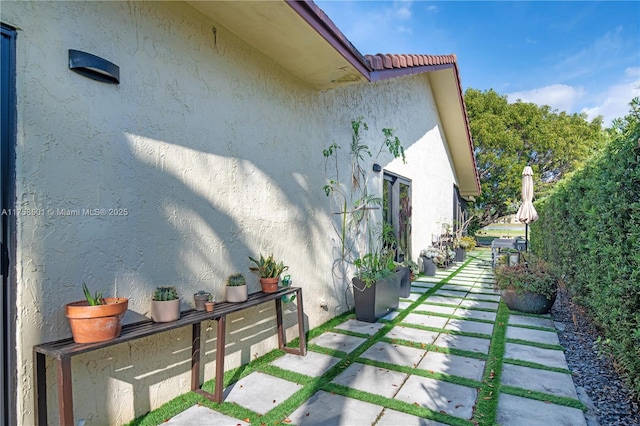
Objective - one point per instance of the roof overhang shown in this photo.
(323, 58)
(300, 37)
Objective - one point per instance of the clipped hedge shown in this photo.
(590, 228)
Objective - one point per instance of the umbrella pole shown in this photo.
(526, 238)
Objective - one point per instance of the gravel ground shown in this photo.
(610, 401)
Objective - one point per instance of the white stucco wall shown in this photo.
(216, 154)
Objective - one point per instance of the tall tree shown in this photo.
(509, 136)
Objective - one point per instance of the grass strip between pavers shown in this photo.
(536, 344)
(487, 404)
(535, 365)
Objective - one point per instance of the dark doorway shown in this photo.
(7, 236)
(396, 196)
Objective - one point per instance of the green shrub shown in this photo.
(590, 228)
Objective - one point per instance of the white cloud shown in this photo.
(613, 102)
(557, 96)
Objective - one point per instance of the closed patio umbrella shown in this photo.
(527, 213)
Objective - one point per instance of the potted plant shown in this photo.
(428, 258)
(376, 286)
(269, 271)
(199, 298)
(236, 289)
(97, 318)
(165, 304)
(208, 305)
(529, 286)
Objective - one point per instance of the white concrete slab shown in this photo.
(470, 326)
(548, 357)
(339, 342)
(426, 320)
(412, 334)
(201, 415)
(519, 411)
(313, 364)
(472, 313)
(362, 327)
(394, 354)
(447, 310)
(326, 409)
(375, 380)
(444, 300)
(453, 365)
(531, 321)
(256, 392)
(464, 343)
(537, 336)
(551, 382)
(439, 396)
(479, 304)
(396, 418)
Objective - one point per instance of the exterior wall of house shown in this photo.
(208, 152)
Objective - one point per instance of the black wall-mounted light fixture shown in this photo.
(94, 67)
(377, 168)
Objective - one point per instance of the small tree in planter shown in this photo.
(529, 286)
(351, 200)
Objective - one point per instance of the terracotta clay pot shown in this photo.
(209, 306)
(269, 285)
(91, 324)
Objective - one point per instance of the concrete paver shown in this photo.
(551, 382)
(426, 320)
(537, 336)
(447, 310)
(548, 357)
(465, 343)
(314, 364)
(412, 334)
(326, 409)
(339, 342)
(439, 396)
(361, 327)
(454, 365)
(201, 415)
(394, 354)
(470, 326)
(519, 411)
(395, 418)
(531, 321)
(255, 392)
(367, 378)
(475, 314)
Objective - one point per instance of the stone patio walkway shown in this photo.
(449, 355)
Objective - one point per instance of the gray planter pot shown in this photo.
(428, 267)
(532, 303)
(461, 254)
(405, 281)
(377, 300)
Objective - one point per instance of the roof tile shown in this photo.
(387, 61)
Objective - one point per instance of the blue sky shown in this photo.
(576, 56)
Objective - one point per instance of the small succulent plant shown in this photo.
(165, 293)
(236, 280)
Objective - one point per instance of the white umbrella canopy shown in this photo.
(527, 213)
